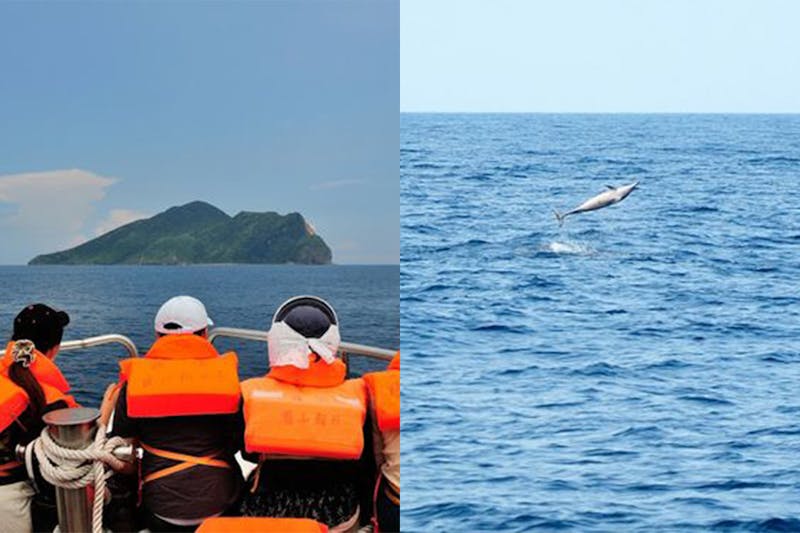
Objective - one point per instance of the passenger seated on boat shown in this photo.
(307, 426)
(182, 403)
(30, 386)
(384, 401)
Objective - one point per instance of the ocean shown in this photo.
(634, 370)
(125, 299)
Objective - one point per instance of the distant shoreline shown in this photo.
(642, 113)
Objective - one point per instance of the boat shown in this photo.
(75, 429)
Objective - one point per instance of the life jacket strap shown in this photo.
(185, 462)
(5, 467)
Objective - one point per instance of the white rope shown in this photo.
(75, 469)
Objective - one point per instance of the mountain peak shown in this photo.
(197, 205)
(196, 208)
(198, 232)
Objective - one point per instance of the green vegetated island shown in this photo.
(199, 233)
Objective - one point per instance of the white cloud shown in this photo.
(52, 208)
(117, 218)
(335, 184)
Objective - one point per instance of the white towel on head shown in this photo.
(289, 348)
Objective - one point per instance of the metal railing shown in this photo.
(345, 348)
(90, 342)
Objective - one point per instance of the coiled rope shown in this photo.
(75, 469)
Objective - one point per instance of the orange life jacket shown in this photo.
(181, 375)
(53, 383)
(384, 395)
(13, 402)
(259, 525)
(45, 370)
(312, 413)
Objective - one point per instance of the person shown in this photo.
(307, 425)
(182, 403)
(384, 400)
(30, 385)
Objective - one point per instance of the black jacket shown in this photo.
(196, 492)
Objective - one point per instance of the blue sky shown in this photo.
(600, 56)
(109, 112)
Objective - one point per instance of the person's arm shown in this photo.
(109, 402)
(123, 425)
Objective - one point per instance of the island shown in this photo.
(199, 233)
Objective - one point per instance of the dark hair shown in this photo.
(200, 332)
(40, 324)
(45, 341)
(322, 307)
(23, 377)
(309, 321)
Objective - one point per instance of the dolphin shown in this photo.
(604, 199)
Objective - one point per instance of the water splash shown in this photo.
(568, 248)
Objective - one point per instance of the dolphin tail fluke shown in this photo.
(559, 217)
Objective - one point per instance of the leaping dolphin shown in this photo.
(604, 199)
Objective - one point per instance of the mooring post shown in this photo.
(73, 428)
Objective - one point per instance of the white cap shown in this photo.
(184, 313)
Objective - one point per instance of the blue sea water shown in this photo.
(637, 369)
(125, 299)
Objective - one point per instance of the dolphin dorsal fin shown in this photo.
(610, 187)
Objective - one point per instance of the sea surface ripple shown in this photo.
(636, 369)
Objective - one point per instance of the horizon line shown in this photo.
(473, 112)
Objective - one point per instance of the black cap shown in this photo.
(309, 316)
(41, 324)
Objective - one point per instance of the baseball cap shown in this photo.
(182, 314)
(41, 324)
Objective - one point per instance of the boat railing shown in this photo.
(345, 348)
(90, 342)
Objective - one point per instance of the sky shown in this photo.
(118, 111)
(740, 56)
